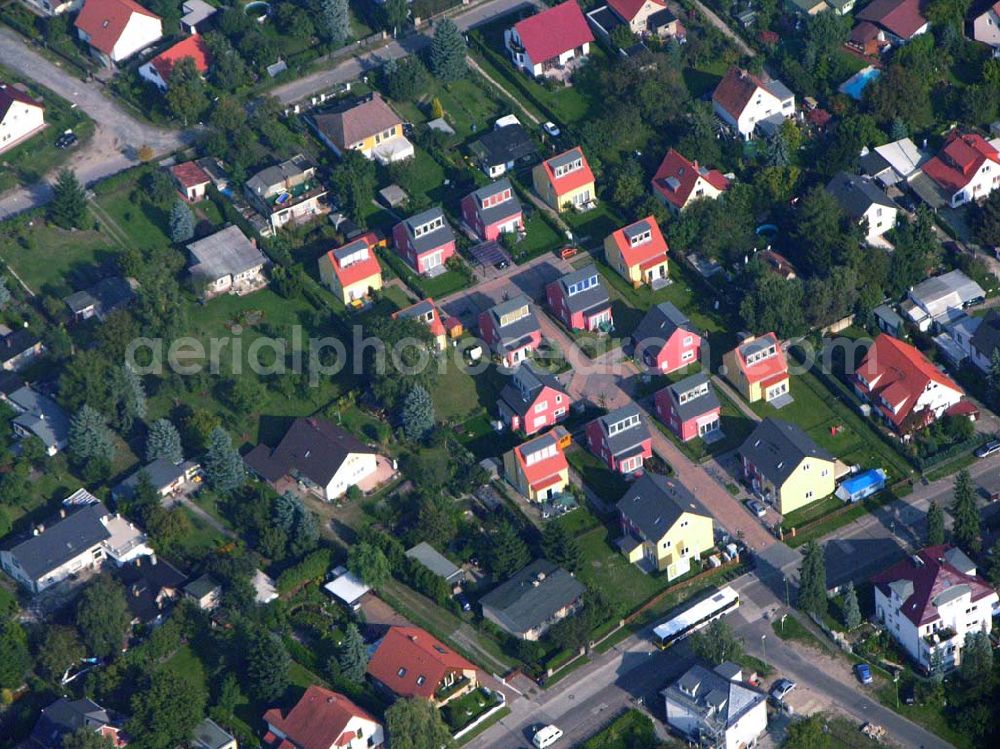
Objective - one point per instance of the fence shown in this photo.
(482, 718)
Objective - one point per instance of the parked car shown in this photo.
(756, 508)
(908, 694)
(863, 672)
(546, 736)
(551, 129)
(781, 689)
(990, 448)
(66, 140)
(464, 602)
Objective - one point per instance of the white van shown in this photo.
(546, 737)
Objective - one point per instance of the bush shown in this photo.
(312, 567)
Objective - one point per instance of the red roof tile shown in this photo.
(9, 94)
(192, 46)
(901, 17)
(651, 252)
(317, 721)
(572, 180)
(957, 163)
(412, 662)
(189, 174)
(105, 20)
(542, 473)
(435, 324)
(767, 371)
(357, 271)
(628, 8)
(686, 174)
(553, 31)
(735, 91)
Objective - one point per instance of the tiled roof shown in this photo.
(9, 94)
(62, 541)
(540, 470)
(654, 503)
(553, 31)
(735, 91)
(412, 662)
(588, 299)
(627, 9)
(776, 448)
(960, 159)
(358, 270)
(900, 17)
(104, 21)
(856, 194)
(193, 46)
(654, 249)
(676, 177)
(625, 440)
(422, 309)
(571, 180)
(312, 447)
(526, 383)
(189, 174)
(318, 719)
(693, 407)
(658, 325)
(765, 369)
(357, 120)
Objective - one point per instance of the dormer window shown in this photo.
(620, 426)
(587, 283)
(427, 228)
(642, 238)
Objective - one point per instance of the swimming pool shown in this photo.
(854, 85)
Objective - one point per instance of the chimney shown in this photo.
(62, 512)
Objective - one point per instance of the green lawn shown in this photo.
(606, 569)
(55, 261)
(469, 106)
(539, 238)
(142, 222)
(455, 392)
(813, 511)
(437, 287)
(600, 479)
(630, 730)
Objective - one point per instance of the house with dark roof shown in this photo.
(966, 168)
(100, 300)
(20, 116)
(493, 210)
(352, 271)
(18, 348)
(898, 20)
(565, 181)
(783, 465)
(436, 562)
(690, 408)
(39, 416)
(152, 586)
(665, 340)
(985, 341)
(532, 400)
(368, 125)
(644, 18)
(158, 70)
(322, 719)
(410, 662)
(64, 717)
(538, 468)
(757, 368)
(315, 456)
(533, 599)
(639, 253)
(227, 262)
(581, 301)
(549, 41)
(863, 201)
(205, 591)
(425, 241)
(715, 707)
(511, 330)
(286, 193)
(664, 527)
(930, 601)
(621, 439)
(117, 29)
(678, 182)
(502, 148)
(747, 102)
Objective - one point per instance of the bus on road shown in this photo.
(695, 617)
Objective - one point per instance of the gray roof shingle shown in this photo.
(776, 448)
(522, 606)
(62, 541)
(654, 503)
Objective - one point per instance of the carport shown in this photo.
(491, 254)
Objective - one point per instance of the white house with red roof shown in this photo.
(899, 20)
(157, 71)
(986, 28)
(639, 253)
(192, 181)
(409, 662)
(538, 468)
(549, 41)
(745, 102)
(117, 29)
(322, 719)
(930, 601)
(678, 182)
(967, 168)
(20, 116)
(903, 386)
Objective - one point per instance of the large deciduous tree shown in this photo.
(369, 563)
(102, 616)
(416, 724)
(166, 709)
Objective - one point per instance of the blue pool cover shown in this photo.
(862, 485)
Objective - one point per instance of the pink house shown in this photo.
(580, 300)
(621, 439)
(532, 401)
(666, 340)
(492, 210)
(511, 329)
(425, 241)
(690, 408)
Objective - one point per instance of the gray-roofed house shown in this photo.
(492, 210)
(861, 199)
(503, 148)
(532, 400)
(716, 707)
(286, 193)
(426, 241)
(786, 467)
(895, 162)
(942, 299)
(209, 735)
(18, 348)
(227, 262)
(101, 299)
(664, 527)
(314, 456)
(888, 320)
(690, 408)
(368, 125)
(166, 478)
(581, 301)
(205, 591)
(665, 340)
(65, 716)
(985, 341)
(533, 599)
(39, 416)
(151, 587)
(511, 329)
(436, 562)
(196, 13)
(621, 439)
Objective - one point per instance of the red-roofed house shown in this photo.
(157, 71)
(639, 253)
(678, 181)
(900, 20)
(931, 600)
(426, 312)
(903, 386)
(322, 719)
(867, 38)
(352, 272)
(410, 662)
(546, 42)
(745, 101)
(20, 116)
(538, 468)
(565, 181)
(986, 28)
(637, 14)
(758, 368)
(117, 29)
(191, 180)
(967, 168)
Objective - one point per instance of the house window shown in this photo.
(541, 407)
(809, 495)
(401, 672)
(420, 680)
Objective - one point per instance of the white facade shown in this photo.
(140, 32)
(355, 468)
(985, 181)
(522, 60)
(693, 716)
(762, 105)
(366, 734)
(149, 73)
(986, 28)
(21, 121)
(880, 220)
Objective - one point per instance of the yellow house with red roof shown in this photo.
(538, 468)
(426, 312)
(639, 253)
(758, 368)
(352, 272)
(565, 181)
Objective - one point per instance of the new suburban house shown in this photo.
(639, 253)
(157, 71)
(532, 400)
(929, 602)
(117, 29)
(941, 300)
(409, 662)
(368, 125)
(757, 368)
(316, 456)
(493, 210)
(322, 719)
(192, 181)
(533, 599)
(621, 439)
(426, 312)
(678, 182)
(82, 538)
(164, 476)
(966, 168)
(511, 330)
(227, 262)
(745, 102)
(352, 271)
(20, 116)
(898, 20)
(504, 147)
(690, 408)
(903, 387)
(986, 28)
(425, 241)
(537, 468)
(286, 193)
(716, 707)
(784, 466)
(864, 202)
(565, 181)
(664, 527)
(580, 300)
(665, 340)
(550, 42)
